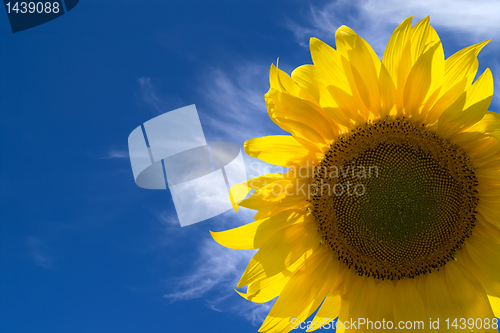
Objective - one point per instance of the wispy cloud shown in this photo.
(217, 267)
(375, 20)
(149, 95)
(477, 18)
(166, 219)
(39, 252)
(234, 96)
(231, 109)
(323, 21)
(116, 154)
(217, 272)
(236, 110)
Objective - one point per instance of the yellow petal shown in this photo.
(468, 109)
(304, 134)
(480, 91)
(329, 67)
(293, 108)
(408, 304)
(468, 295)
(394, 51)
(254, 235)
(462, 66)
(440, 303)
(486, 254)
(307, 77)
(349, 105)
(466, 262)
(486, 229)
(301, 296)
(239, 191)
(419, 38)
(357, 50)
(358, 287)
(264, 290)
(281, 251)
(328, 311)
(419, 86)
(292, 122)
(490, 214)
(329, 63)
(285, 193)
(279, 80)
(284, 83)
(380, 306)
(481, 147)
(488, 176)
(495, 305)
(331, 307)
(282, 150)
(490, 124)
(362, 67)
(445, 101)
(423, 37)
(387, 92)
(415, 43)
(272, 210)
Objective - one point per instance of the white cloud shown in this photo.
(201, 198)
(42, 259)
(149, 95)
(39, 252)
(478, 18)
(166, 219)
(217, 272)
(234, 96)
(472, 21)
(217, 267)
(116, 154)
(232, 109)
(240, 90)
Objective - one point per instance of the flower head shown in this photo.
(390, 209)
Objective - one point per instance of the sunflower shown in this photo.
(389, 209)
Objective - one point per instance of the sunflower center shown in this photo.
(393, 200)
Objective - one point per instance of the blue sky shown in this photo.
(82, 248)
